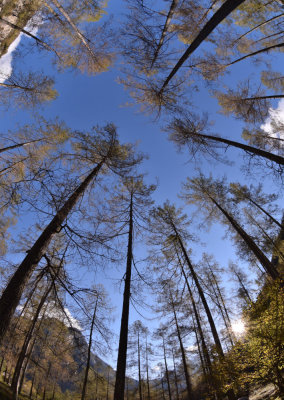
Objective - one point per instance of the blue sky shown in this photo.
(85, 101)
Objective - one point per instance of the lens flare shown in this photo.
(238, 327)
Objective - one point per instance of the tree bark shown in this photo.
(226, 8)
(84, 389)
(13, 292)
(122, 349)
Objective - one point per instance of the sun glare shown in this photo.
(238, 327)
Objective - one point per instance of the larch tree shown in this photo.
(131, 204)
(104, 153)
(172, 234)
(97, 300)
(170, 302)
(212, 197)
(190, 131)
(26, 90)
(246, 103)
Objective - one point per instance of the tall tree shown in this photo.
(134, 199)
(209, 193)
(105, 152)
(172, 234)
(188, 132)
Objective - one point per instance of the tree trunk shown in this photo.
(265, 212)
(199, 327)
(267, 265)
(167, 371)
(84, 389)
(274, 96)
(16, 146)
(147, 372)
(226, 8)
(266, 49)
(175, 373)
(164, 31)
(139, 369)
(203, 299)
(122, 349)
(258, 26)
(25, 366)
(26, 345)
(78, 33)
(230, 393)
(39, 41)
(183, 355)
(13, 292)
(252, 150)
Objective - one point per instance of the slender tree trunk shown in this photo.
(122, 349)
(203, 366)
(167, 371)
(226, 8)
(26, 344)
(274, 96)
(39, 41)
(78, 33)
(230, 393)
(22, 378)
(84, 389)
(266, 49)
(16, 146)
(220, 303)
(176, 379)
(164, 31)
(139, 369)
(13, 292)
(265, 212)
(267, 265)
(199, 327)
(244, 289)
(252, 150)
(183, 355)
(203, 299)
(147, 372)
(258, 26)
